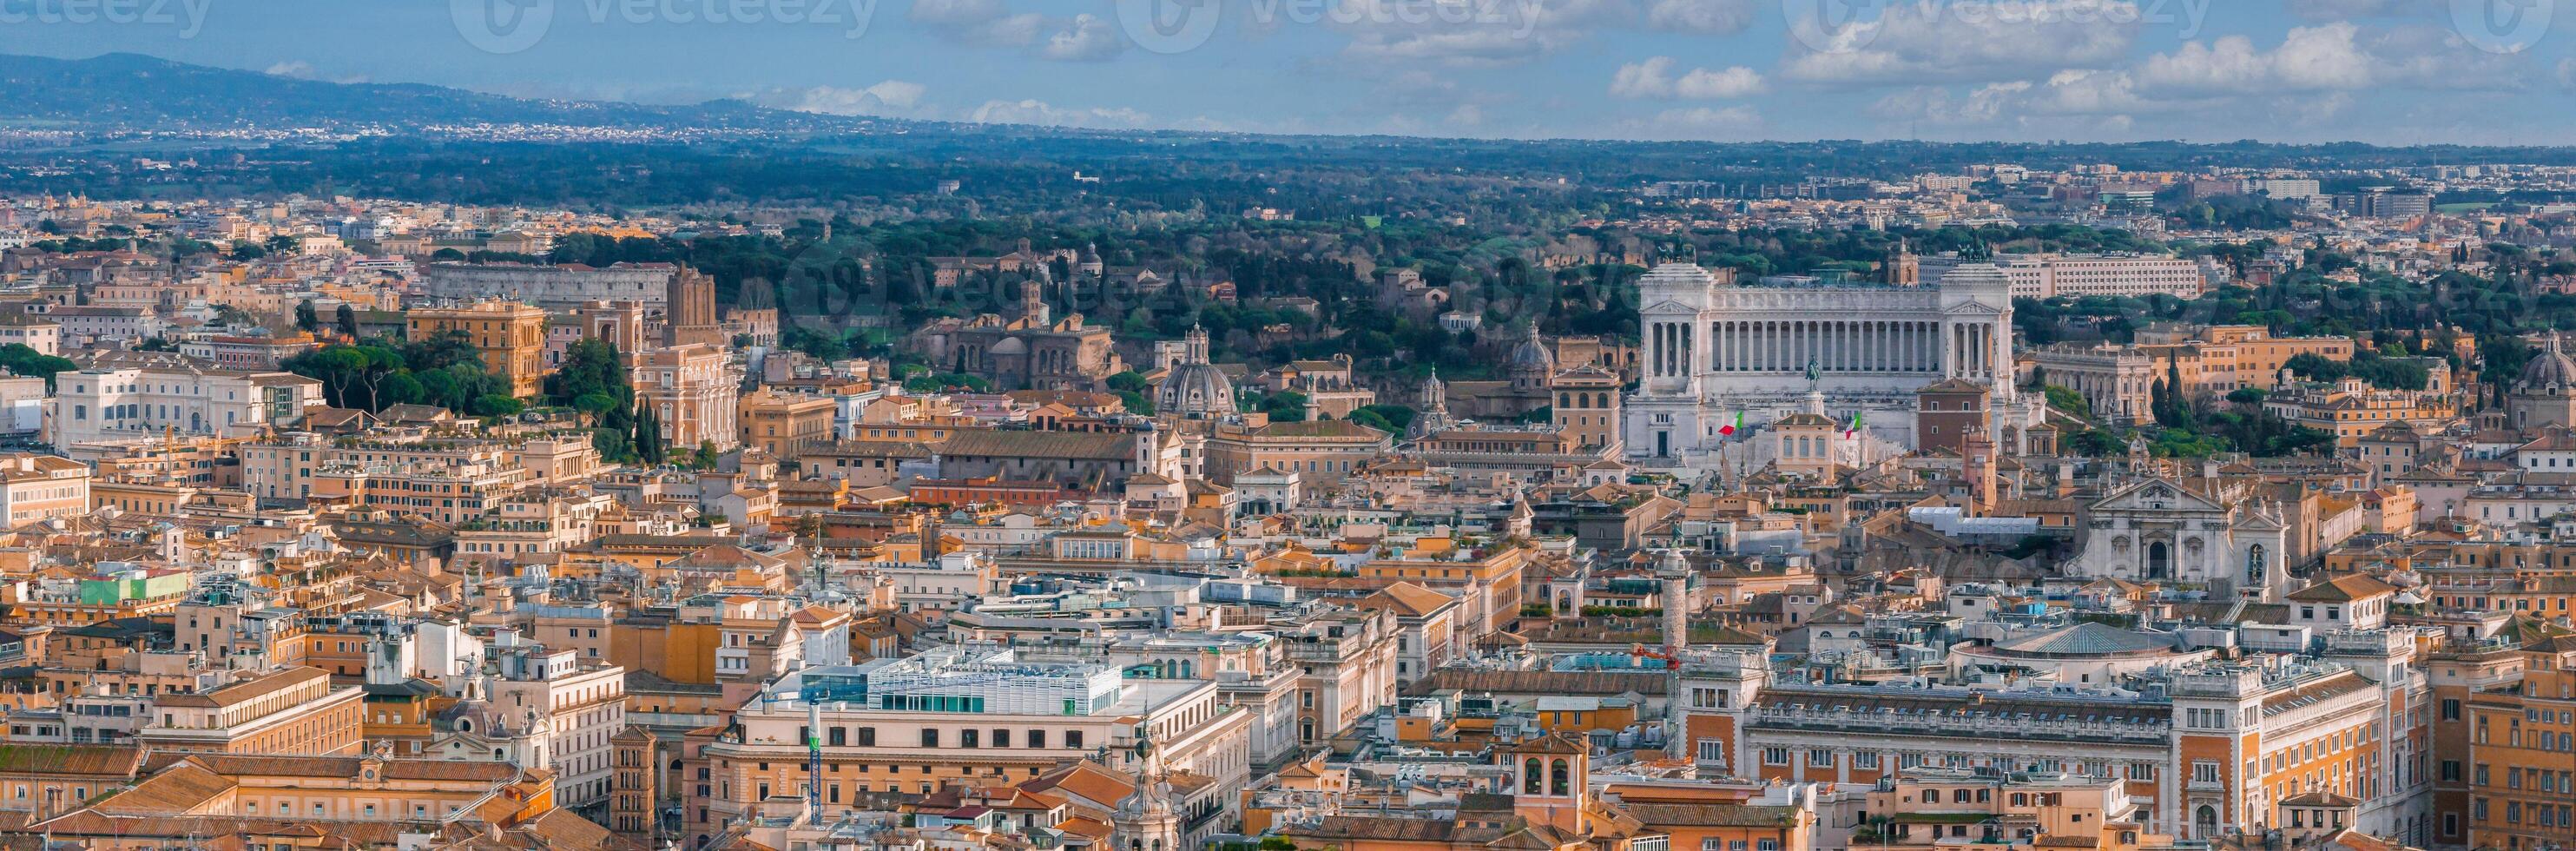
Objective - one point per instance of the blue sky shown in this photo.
(2382, 71)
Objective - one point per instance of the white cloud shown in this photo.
(983, 22)
(2567, 73)
(1087, 38)
(298, 69)
(1704, 84)
(1969, 41)
(2344, 10)
(955, 13)
(1654, 78)
(1485, 33)
(1467, 115)
(1462, 48)
(2308, 85)
(1042, 113)
(1470, 33)
(892, 97)
(2332, 57)
(988, 23)
(1712, 17)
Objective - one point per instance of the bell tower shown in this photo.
(1547, 775)
(1145, 820)
(1901, 267)
(1033, 306)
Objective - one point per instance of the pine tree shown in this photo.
(648, 436)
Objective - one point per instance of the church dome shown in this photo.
(1195, 390)
(2549, 369)
(1194, 387)
(1532, 354)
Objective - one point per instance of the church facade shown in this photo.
(2189, 531)
(2545, 393)
(1714, 350)
(1025, 354)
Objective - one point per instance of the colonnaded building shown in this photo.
(553, 287)
(1714, 349)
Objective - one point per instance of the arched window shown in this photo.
(1531, 776)
(2254, 564)
(2205, 821)
(1556, 778)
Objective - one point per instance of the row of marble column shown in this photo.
(1831, 345)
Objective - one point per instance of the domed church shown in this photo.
(1195, 388)
(2545, 394)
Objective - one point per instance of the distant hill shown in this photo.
(135, 92)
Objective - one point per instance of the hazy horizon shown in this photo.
(2387, 72)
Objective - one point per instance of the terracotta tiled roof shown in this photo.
(563, 829)
(23, 758)
(344, 767)
(1411, 599)
(2343, 589)
(1086, 780)
(1576, 683)
(181, 788)
(1712, 815)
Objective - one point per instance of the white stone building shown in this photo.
(553, 287)
(1714, 350)
(125, 402)
(2198, 531)
(2052, 275)
(581, 705)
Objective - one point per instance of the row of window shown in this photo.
(999, 737)
(2515, 812)
(1713, 750)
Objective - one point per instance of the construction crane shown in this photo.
(813, 745)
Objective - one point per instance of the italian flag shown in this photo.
(1854, 430)
(1730, 429)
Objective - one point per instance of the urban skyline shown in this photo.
(2382, 71)
(913, 450)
